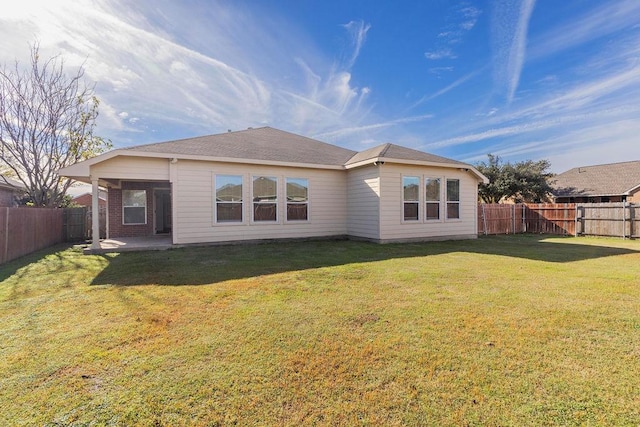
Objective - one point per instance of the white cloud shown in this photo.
(440, 54)
(510, 23)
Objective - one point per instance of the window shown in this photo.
(134, 206)
(265, 198)
(297, 199)
(228, 198)
(453, 199)
(410, 193)
(432, 198)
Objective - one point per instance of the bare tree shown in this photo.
(47, 121)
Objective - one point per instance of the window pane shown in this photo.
(229, 212)
(265, 189)
(410, 211)
(228, 188)
(453, 210)
(410, 185)
(433, 210)
(297, 212)
(134, 198)
(134, 215)
(264, 211)
(297, 190)
(432, 189)
(453, 190)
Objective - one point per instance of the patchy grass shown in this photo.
(515, 330)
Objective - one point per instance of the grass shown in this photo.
(509, 330)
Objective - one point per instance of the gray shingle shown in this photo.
(599, 180)
(271, 144)
(264, 143)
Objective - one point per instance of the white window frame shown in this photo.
(216, 202)
(287, 202)
(405, 202)
(447, 201)
(434, 202)
(125, 206)
(267, 202)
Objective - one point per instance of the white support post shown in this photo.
(95, 214)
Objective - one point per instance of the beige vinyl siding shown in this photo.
(391, 216)
(195, 203)
(132, 168)
(363, 186)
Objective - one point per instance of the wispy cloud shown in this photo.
(509, 27)
(176, 82)
(344, 132)
(607, 18)
(440, 54)
(446, 89)
(358, 32)
(465, 17)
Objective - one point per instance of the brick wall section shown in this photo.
(116, 227)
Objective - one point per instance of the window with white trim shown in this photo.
(453, 199)
(134, 207)
(297, 199)
(265, 199)
(228, 198)
(410, 197)
(432, 199)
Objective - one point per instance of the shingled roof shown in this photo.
(600, 180)
(397, 152)
(263, 143)
(271, 144)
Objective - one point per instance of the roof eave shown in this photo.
(463, 167)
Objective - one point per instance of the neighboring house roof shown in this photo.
(101, 195)
(267, 145)
(11, 184)
(599, 180)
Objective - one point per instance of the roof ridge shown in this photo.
(385, 149)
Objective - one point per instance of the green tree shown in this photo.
(527, 181)
(47, 119)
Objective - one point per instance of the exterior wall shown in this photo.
(86, 200)
(7, 197)
(634, 197)
(116, 227)
(394, 228)
(132, 168)
(363, 187)
(194, 204)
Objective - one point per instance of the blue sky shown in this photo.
(520, 79)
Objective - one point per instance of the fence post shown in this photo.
(484, 221)
(624, 220)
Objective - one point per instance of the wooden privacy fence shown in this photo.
(26, 230)
(608, 219)
(544, 218)
(567, 219)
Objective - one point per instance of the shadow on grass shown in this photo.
(11, 268)
(207, 265)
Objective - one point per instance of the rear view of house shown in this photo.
(265, 183)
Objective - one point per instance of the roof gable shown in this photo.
(598, 180)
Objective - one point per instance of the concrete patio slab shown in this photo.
(127, 244)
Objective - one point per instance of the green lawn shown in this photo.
(508, 330)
